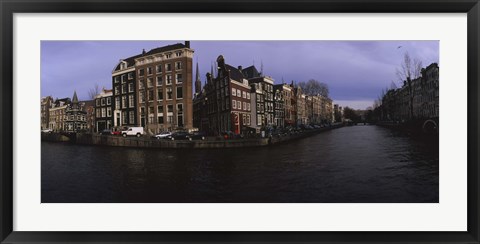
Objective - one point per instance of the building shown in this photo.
(75, 116)
(286, 93)
(262, 101)
(45, 104)
(89, 107)
(154, 89)
(104, 110)
(57, 114)
(279, 106)
(228, 100)
(124, 97)
(165, 88)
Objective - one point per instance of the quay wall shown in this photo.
(146, 142)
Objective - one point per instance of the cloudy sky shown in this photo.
(355, 71)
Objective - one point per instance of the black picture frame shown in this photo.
(9, 7)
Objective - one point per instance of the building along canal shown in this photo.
(354, 164)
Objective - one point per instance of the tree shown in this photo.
(350, 113)
(94, 91)
(409, 71)
(313, 87)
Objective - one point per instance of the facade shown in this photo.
(227, 100)
(397, 103)
(124, 97)
(45, 103)
(284, 107)
(165, 88)
(262, 88)
(104, 110)
(279, 106)
(89, 108)
(75, 116)
(154, 89)
(57, 114)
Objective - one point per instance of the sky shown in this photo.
(356, 72)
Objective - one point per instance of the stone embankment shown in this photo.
(147, 142)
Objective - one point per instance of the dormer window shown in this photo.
(178, 54)
(168, 55)
(122, 65)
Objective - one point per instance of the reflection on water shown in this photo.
(350, 164)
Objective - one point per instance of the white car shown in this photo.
(47, 130)
(133, 131)
(162, 135)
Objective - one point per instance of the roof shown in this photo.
(166, 48)
(131, 60)
(251, 72)
(235, 74)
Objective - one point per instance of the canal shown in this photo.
(356, 164)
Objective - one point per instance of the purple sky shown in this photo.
(355, 71)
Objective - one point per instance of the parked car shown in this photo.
(47, 130)
(116, 132)
(162, 135)
(179, 136)
(133, 131)
(198, 135)
(105, 132)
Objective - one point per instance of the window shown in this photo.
(109, 100)
(178, 78)
(131, 101)
(149, 82)
(169, 79)
(123, 78)
(149, 70)
(150, 95)
(226, 91)
(141, 97)
(234, 92)
(131, 117)
(130, 87)
(141, 72)
(178, 65)
(160, 119)
(124, 101)
(159, 81)
(160, 95)
(130, 76)
(170, 119)
(160, 109)
(239, 105)
(248, 119)
(259, 119)
(97, 112)
(117, 103)
(117, 79)
(179, 107)
(124, 116)
(168, 55)
(141, 85)
(124, 88)
(179, 92)
(239, 93)
(109, 111)
(169, 93)
(117, 90)
(244, 106)
(170, 108)
(98, 102)
(234, 104)
(178, 54)
(168, 67)
(159, 68)
(244, 94)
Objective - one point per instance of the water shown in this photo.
(348, 165)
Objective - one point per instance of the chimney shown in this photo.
(240, 68)
(143, 51)
(187, 44)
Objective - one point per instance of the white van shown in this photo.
(133, 131)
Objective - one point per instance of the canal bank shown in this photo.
(146, 142)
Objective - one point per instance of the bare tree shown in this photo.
(313, 87)
(93, 91)
(408, 72)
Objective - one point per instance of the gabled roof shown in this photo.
(235, 74)
(251, 72)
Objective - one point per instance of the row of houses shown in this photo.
(154, 90)
(241, 100)
(418, 100)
